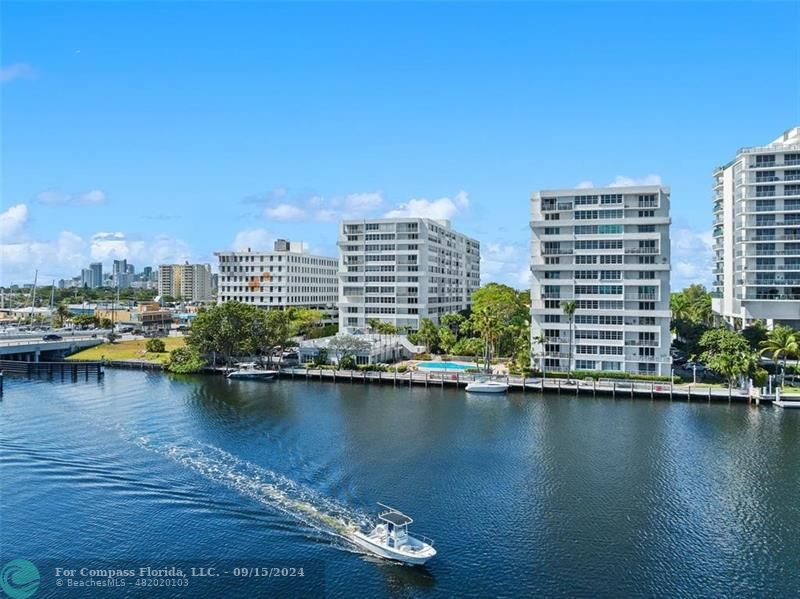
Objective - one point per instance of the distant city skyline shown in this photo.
(233, 124)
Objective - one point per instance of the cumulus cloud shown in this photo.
(585, 185)
(18, 70)
(12, 221)
(67, 253)
(255, 239)
(507, 263)
(441, 209)
(692, 257)
(623, 181)
(93, 197)
(284, 212)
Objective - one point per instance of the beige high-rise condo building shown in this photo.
(757, 234)
(285, 277)
(608, 251)
(401, 270)
(187, 282)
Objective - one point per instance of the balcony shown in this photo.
(642, 250)
(556, 252)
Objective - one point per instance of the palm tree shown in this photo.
(541, 341)
(62, 314)
(488, 325)
(781, 342)
(569, 308)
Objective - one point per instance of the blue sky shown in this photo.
(167, 131)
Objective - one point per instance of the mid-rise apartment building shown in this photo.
(757, 234)
(401, 270)
(608, 250)
(187, 282)
(285, 277)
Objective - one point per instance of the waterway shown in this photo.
(524, 495)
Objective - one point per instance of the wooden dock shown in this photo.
(519, 384)
(73, 370)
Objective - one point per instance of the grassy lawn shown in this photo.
(128, 350)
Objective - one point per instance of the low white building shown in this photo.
(286, 277)
(379, 349)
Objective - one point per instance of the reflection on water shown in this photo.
(524, 495)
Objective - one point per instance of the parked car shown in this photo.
(51, 337)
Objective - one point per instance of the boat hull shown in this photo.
(252, 376)
(365, 543)
(792, 403)
(486, 388)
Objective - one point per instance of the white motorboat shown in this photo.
(390, 539)
(249, 370)
(787, 403)
(486, 385)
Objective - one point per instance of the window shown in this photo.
(647, 228)
(552, 230)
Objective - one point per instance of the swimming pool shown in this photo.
(444, 366)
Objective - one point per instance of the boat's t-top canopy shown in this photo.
(393, 516)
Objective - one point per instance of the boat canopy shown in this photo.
(394, 517)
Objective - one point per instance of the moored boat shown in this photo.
(486, 385)
(390, 539)
(249, 370)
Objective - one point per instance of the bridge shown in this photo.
(33, 350)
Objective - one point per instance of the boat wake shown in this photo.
(269, 488)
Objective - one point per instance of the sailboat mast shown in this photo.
(33, 293)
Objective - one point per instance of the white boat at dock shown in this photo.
(250, 371)
(485, 384)
(390, 539)
(793, 402)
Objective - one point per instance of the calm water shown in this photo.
(524, 496)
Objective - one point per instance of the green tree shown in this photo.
(62, 314)
(453, 322)
(185, 360)
(728, 354)
(155, 346)
(226, 330)
(540, 341)
(755, 334)
(446, 339)
(428, 334)
(468, 346)
(781, 342)
(488, 325)
(569, 307)
(304, 320)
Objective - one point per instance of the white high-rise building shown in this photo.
(401, 270)
(608, 250)
(757, 234)
(188, 282)
(285, 277)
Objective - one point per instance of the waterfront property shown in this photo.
(373, 349)
(401, 270)
(187, 282)
(608, 251)
(444, 366)
(757, 234)
(286, 277)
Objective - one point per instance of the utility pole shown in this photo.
(52, 297)
(33, 294)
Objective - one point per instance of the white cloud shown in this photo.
(92, 197)
(507, 263)
(692, 257)
(441, 209)
(284, 212)
(19, 70)
(64, 256)
(255, 239)
(585, 185)
(12, 221)
(623, 181)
